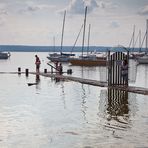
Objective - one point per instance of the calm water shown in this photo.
(69, 114)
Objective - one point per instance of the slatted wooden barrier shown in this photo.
(115, 61)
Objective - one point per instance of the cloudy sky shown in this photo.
(37, 22)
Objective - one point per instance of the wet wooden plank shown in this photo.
(133, 89)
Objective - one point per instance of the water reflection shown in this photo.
(37, 80)
(63, 95)
(103, 74)
(132, 71)
(84, 107)
(146, 75)
(59, 81)
(117, 104)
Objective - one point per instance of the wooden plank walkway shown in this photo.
(133, 89)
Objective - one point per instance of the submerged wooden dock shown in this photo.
(133, 89)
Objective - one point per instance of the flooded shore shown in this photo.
(69, 114)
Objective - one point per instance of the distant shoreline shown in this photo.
(26, 48)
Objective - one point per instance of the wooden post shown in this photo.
(109, 68)
(69, 71)
(19, 70)
(27, 72)
(51, 69)
(45, 70)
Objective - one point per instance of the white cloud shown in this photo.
(34, 7)
(3, 10)
(3, 14)
(78, 6)
(144, 10)
(111, 20)
(114, 24)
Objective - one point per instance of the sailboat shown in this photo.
(88, 59)
(135, 55)
(62, 57)
(144, 59)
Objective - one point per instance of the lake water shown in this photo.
(69, 114)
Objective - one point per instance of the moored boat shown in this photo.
(55, 57)
(143, 60)
(89, 60)
(60, 57)
(4, 55)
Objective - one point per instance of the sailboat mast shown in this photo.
(77, 39)
(134, 38)
(88, 39)
(63, 31)
(84, 31)
(139, 40)
(54, 43)
(146, 36)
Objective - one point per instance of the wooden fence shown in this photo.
(115, 61)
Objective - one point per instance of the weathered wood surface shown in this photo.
(132, 89)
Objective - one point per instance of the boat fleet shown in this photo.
(92, 58)
(89, 59)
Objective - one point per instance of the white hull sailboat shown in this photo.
(144, 59)
(60, 57)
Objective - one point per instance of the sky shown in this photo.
(39, 22)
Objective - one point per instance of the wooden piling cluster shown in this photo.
(26, 71)
(69, 71)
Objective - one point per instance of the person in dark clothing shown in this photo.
(60, 68)
(124, 71)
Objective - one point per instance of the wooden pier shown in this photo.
(133, 89)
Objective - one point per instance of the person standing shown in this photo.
(56, 65)
(124, 71)
(60, 67)
(37, 63)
